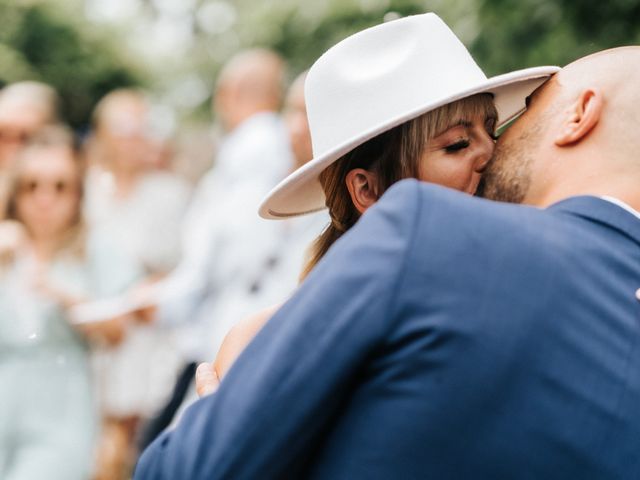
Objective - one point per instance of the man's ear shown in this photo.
(580, 118)
(363, 188)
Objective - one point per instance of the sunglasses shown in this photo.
(14, 136)
(59, 187)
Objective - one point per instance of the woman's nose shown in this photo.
(485, 152)
(44, 197)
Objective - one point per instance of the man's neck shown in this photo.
(623, 189)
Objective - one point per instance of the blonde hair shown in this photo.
(393, 155)
(49, 137)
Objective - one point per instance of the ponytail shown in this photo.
(320, 246)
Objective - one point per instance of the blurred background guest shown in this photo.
(24, 108)
(230, 253)
(227, 246)
(130, 200)
(127, 195)
(296, 235)
(299, 232)
(47, 414)
(295, 117)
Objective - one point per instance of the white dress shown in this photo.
(136, 376)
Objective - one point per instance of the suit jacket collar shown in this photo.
(603, 211)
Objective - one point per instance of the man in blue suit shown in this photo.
(450, 337)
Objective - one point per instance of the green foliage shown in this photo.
(46, 40)
(302, 45)
(502, 34)
(522, 33)
(39, 43)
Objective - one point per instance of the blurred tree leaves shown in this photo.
(502, 35)
(302, 43)
(522, 33)
(40, 41)
(53, 40)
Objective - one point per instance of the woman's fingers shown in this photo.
(206, 379)
(110, 332)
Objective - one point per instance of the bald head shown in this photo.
(25, 107)
(38, 98)
(251, 82)
(578, 136)
(616, 73)
(608, 67)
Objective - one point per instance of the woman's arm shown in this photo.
(208, 375)
(239, 337)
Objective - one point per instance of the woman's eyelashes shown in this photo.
(473, 133)
(457, 146)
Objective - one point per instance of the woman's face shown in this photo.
(48, 195)
(457, 157)
(123, 134)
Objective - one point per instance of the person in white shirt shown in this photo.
(298, 234)
(227, 247)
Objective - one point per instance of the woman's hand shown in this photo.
(207, 380)
(110, 332)
(13, 237)
(145, 296)
(208, 375)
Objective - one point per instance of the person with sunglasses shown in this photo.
(47, 414)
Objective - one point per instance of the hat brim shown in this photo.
(301, 193)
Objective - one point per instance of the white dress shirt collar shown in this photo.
(621, 204)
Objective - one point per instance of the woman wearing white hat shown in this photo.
(398, 100)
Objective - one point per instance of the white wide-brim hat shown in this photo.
(382, 77)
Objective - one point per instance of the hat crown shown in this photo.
(380, 78)
(381, 74)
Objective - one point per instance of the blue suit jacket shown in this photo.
(444, 337)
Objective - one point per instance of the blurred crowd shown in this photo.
(107, 224)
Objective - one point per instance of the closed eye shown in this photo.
(457, 146)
